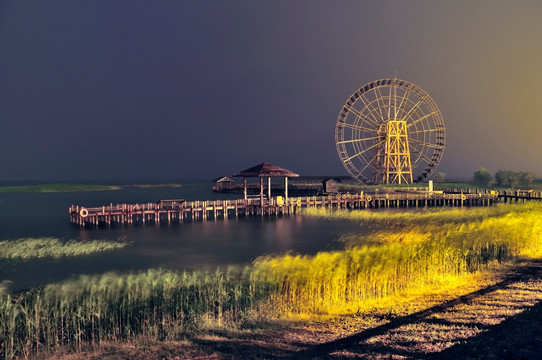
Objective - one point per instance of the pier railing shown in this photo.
(505, 195)
(180, 211)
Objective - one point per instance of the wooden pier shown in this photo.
(178, 211)
(506, 196)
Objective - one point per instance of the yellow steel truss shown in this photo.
(393, 155)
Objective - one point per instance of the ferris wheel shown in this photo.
(390, 131)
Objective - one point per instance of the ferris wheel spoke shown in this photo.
(363, 151)
(405, 96)
(422, 131)
(416, 106)
(389, 104)
(358, 127)
(356, 140)
(425, 157)
(424, 143)
(380, 98)
(371, 111)
(394, 100)
(366, 166)
(359, 114)
(422, 118)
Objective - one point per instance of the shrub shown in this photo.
(482, 177)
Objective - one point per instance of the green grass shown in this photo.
(29, 248)
(351, 187)
(157, 304)
(423, 250)
(536, 185)
(57, 188)
(415, 186)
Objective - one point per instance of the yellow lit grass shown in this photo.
(426, 251)
(423, 216)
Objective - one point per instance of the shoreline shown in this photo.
(61, 187)
(50, 188)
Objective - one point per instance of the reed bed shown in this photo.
(423, 216)
(426, 251)
(28, 248)
(157, 304)
(430, 248)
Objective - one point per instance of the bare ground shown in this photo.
(500, 321)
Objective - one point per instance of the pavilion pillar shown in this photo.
(269, 187)
(261, 191)
(245, 187)
(286, 188)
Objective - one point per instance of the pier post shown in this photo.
(286, 188)
(245, 192)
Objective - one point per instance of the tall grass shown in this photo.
(424, 217)
(28, 248)
(157, 304)
(426, 250)
(430, 248)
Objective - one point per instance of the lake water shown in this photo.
(186, 246)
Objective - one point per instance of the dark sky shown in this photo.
(181, 89)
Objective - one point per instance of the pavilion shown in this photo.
(223, 182)
(266, 170)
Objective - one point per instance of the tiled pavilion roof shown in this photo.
(266, 170)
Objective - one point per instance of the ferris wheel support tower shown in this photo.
(396, 167)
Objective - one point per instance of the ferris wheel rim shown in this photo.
(423, 120)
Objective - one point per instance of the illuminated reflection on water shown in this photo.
(187, 246)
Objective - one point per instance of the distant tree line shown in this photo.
(505, 178)
(513, 179)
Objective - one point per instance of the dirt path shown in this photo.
(501, 321)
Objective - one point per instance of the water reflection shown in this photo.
(186, 246)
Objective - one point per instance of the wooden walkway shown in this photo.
(506, 196)
(178, 211)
